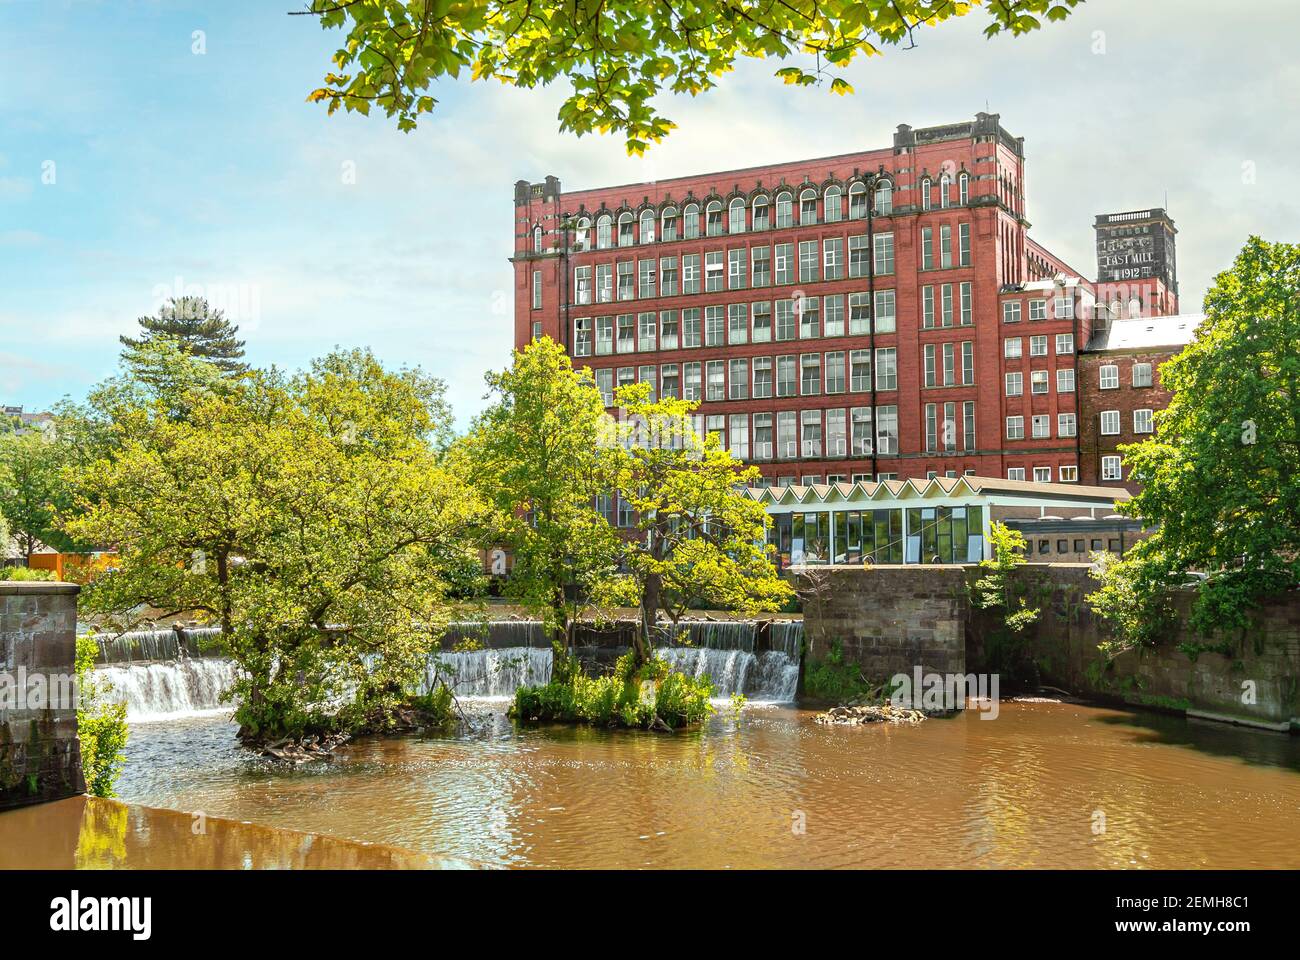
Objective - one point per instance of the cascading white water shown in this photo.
(490, 673)
(170, 690)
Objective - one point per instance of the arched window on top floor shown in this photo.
(668, 222)
(784, 209)
(858, 201)
(537, 238)
(713, 218)
(884, 198)
(736, 215)
(582, 234)
(691, 221)
(760, 220)
(604, 231)
(647, 227)
(625, 229)
(808, 206)
(833, 204)
(945, 191)
(925, 193)
(963, 188)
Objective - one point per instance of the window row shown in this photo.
(1062, 309)
(1039, 382)
(803, 318)
(737, 269)
(759, 378)
(1013, 347)
(948, 428)
(942, 310)
(948, 364)
(804, 434)
(1068, 474)
(1143, 422)
(1040, 427)
(1108, 375)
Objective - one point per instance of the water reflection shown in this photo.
(1021, 790)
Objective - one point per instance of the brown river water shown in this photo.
(1043, 785)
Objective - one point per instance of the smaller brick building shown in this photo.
(1120, 389)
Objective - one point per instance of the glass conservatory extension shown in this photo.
(941, 520)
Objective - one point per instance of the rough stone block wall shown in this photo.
(887, 619)
(40, 758)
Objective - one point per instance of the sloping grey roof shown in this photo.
(1142, 333)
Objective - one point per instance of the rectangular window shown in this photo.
(761, 262)
(762, 378)
(860, 370)
(885, 306)
(761, 314)
(691, 273)
(1110, 469)
(582, 285)
(835, 372)
(604, 335)
(1064, 343)
(691, 333)
(1015, 384)
(968, 425)
(1143, 421)
(808, 261)
(927, 248)
(738, 434)
(690, 377)
(737, 379)
(604, 282)
(929, 365)
(1063, 308)
(1037, 309)
(713, 326)
(649, 374)
(945, 305)
(810, 374)
(785, 376)
(833, 258)
(949, 364)
(736, 264)
(833, 315)
(669, 325)
(668, 276)
(605, 384)
(858, 256)
(1069, 473)
(810, 422)
(945, 246)
(762, 436)
(537, 289)
(1141, 374)
(713, 271)
(737, 323)
(859, 313)
(884, 254)
(670, 380)
(967, 304)
(860, 438)
(1065, 380)
(1110, 423)
(927, 307)
(1042, 475)
(626, 290)
(787, 443)
(836, 441)
(1040, 426)
(1109, 377)
(1038, 346)
(887, 433)
(963, 243)
(646, 336)
(1011, 348)
(887, 369)
(808, 312)
(626, 333)
(1038, 382)
(1015, 428)
(1011, 311)
(784, 262)
(968, 363)
(582, 337)
(1066, 426)
(785, 320)
(931, 427)
(715, 377)
(1015, 473)
(645, 284)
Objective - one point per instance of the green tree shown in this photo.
(197, 327)
(1220, 479)
(308, 515)
(101, 723)
(617, 54)
(535, 455)
(1001, 592)
(700, 539)
(33, 488)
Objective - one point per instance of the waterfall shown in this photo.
(144, 645)
(168, 691)
(766, 676)
(787, 636)
(490, 673)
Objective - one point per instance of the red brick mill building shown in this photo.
(870, 316)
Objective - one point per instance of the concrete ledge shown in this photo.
(37, 588)
(1280, 727)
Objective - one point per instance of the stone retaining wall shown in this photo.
(40, 758)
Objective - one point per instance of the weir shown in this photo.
(757, 659)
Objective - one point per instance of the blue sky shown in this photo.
(173, 169)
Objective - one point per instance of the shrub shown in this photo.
(25, 574)
(652, 697)
(833, 680)
(101, 724)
